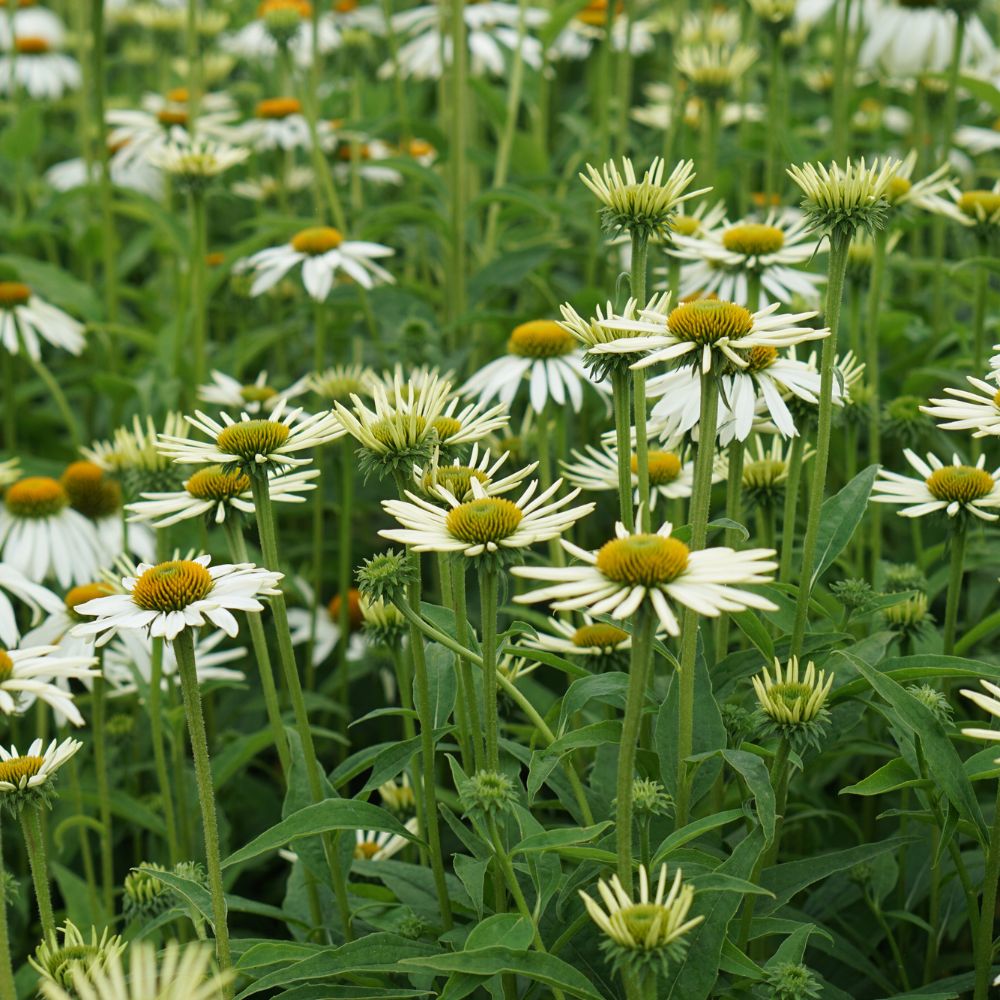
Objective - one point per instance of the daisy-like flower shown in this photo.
(765, 469)
(589, 27)
(591, 639)
(383, 625)
(544, 354)
(671, 473)
(456, 478)
(227, 391)
(485, 525)
(979, 208)
(26, 321)
(989, 702)
(464, 424)
(789, 699)
(714, 26)
(42, 536)
(721, 261)
(323, 252)
(774, 13)
(376, 845)
(26, 675)
(662, 109)
(360, 153)
(320, 624)
(35, 596)
(29, 20)
(34, 63)
(252, 442)
(491, 36)
(712, 70)
(215, 494)
(955, 489)
(339, 383)
(197, 161)
(650, 927)
(279, 123)
(647, 204)
(903, 192)
(844, 199)
(969, 411)
(182, 593)
(135, 175)
(632, 569)
(181, 972)
(398, 796)
(713, 332)
(34, 771)
(282, 24)
(978, 140)
(268, 188)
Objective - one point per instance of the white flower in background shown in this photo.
(274, 439)
(32, 59)
(547, 357)
(903, 192)
(27, 675)
(42, 536)
(38, 599)
(906, 39)
(135, 174)
(969, 411)
(955, 488)
(977, 139)
(656, 570)
(26, 321)
(215, 495)
(323, 253)
(266, 187)
(30, 21)
(485, 524)
(320, 624)
(491, 36)
(165, 599)
(588, 28)
(374, 845)
(712, 70)
(721, 261)
(358, 152)
(279, 123)
(196, 159)
(226, 391)
(713, 26)
(661, 107)
(589, 639)
(287, 20)
(979, 208)
(987, 704)
(455, 478)
(36, 767)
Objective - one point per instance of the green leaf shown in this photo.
(507, 930)
(694, 830)
(331, 814)
(888, 778)
(839, 517)
(755, 774)
(441, 681)
(194, 893)
(563, 837)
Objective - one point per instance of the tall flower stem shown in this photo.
(467, 686)
(86, 855)
(701, 498)
(981, 287)
(734, 511)
(984, 936)
(958, 540)
(344, 564)
(709, 139)
(264, 511)
(258, 640)
(103, 796)
(318, 562)
(774, 129)
(457, 158)
(791, 507)
(640, 247)
(640, 670)
(58, 397)
(159, 753)
(872, 361)
(488, 614)
(34, 842)
(841, 83)
(97, 82)
(196, 277)
(951, 103)
(7, 988)
(840, 242)
(184, 651)
(620, 391)
(193, 53)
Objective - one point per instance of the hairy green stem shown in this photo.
(7, 989)
(875, 405)
(954, 596)
(34, 842)
(103, 795)
(488, 616)
(640, 246)
(620, 391)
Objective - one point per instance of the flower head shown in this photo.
(456, 478)
(792, 703)
(55, 960)
(713, 69)
(978, 412)
(27, 675)
(28, 778)
(196, 162)
(956, 488)
(26, 321)
(989, 702)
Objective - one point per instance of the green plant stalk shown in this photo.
(267, 532)
(875, 286)
(258, 640)
(7, 988)
(954, 597)
(159, 754)
(34, 842)
(103, 795)
(984, 938)
(775, 124)
(790, 507)
(97, 82)
(197, 278)
(709, 139)
(184, 651)
(488, 616)
(193, 53)
(734, 511)
(465, 737)
(184, 821)
(841, 85)
(623, 443)
(459, 169)
(321, 167)
(640, 671)
(51, 383)
(950, 116)
(980, 287)
(640, 248)
(318, 561)
(86, 855)
(9, 402)
(468, 688)
(837, 269)
(509, 689)
(344, 565)
(701, 499)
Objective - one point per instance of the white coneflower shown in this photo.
(955, 488)
(253, 397)
(542, 354)
(987, 704)
(485, 525)
(266, 187)
(197, 161)
(713, 26)
(26, 321)
(765, 467)
(712, 70)
(456, 477)
(589, 26)
(279, 123)
(593, 639)
(34, 769)
(634, 569)
(711, 331)
(977, 139)
(323, 253)
(726, 260)
(319, 624)
(648, 203)
(26, 675)
(42, 536)
(969, 411)
(926, 194)
(67, 949)
(183, 593)
(34, 595)
(844, 199)
(33, 63)
(375, 845)
(978, 208)
(249, 443)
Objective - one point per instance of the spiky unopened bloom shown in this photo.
(196, 161)
(456, 477)
(790, 698)
(839, 200)
(713, 69)
(640, 205)
(68, 949)
(955, 489)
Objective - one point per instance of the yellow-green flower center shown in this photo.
(172, 586)
(257, 393)
(753, 239)
(456, 479)
(600, 635)
(979, 204)
(708, 321)
(446, 427)
(899, 187)
(6, 666)
(251, 438)
(90, 492)
(490, 519)
(278, 107)
(962, 483)
(791, 693)
(13, 293)
(366, 850)
(211, 483)
(996, 399)
(763, 474)
(638, 920)
(36, 496)
(758, 358)
(664, 467)
(643, 560)
(19, 768)
(685, 225)
(317, 240)
(395, 431)
(83, 593)
(541, 338)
